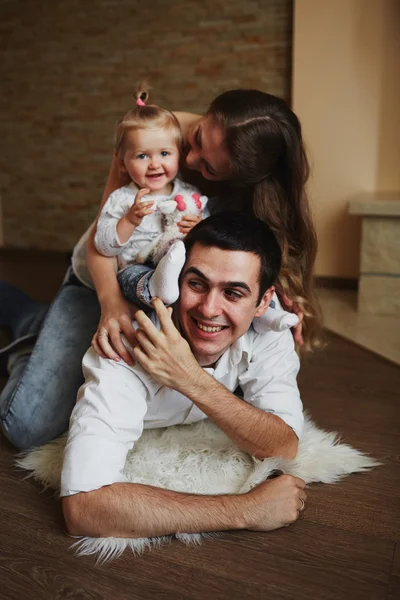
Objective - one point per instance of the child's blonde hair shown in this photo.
(146, 116)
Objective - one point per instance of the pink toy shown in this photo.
(197, 201)
(180, 202)
(173, 211)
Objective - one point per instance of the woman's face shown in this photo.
(207, 152)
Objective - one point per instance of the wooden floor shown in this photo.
(346, 545)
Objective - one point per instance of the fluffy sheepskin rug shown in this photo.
(201, 459)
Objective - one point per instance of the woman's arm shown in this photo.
(116, 312)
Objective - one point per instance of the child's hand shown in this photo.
(139, 209)
(188, 222)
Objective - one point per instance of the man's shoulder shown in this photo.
(102, 369)
(268, 342)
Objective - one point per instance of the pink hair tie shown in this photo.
(139, 102)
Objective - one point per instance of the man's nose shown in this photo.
(211, 305)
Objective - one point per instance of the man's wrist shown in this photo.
(198, 387)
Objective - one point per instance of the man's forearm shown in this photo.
(257, 432)
(135, 511)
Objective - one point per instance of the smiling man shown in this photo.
(188, 365)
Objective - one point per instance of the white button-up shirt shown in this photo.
(118, 401)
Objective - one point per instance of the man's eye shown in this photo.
(196, 285)
(141, 156)
(232, 295)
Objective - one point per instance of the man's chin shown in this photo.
(208, 352)
(207, 347)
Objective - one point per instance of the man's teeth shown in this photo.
(209, 329)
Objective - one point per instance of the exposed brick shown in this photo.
(68, 71)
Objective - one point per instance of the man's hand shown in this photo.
(139, 209)
(165, 354)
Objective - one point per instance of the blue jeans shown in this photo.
(40, 393)
(135, 286)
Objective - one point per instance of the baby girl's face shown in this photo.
(151, 158)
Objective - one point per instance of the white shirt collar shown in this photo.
(233, 355)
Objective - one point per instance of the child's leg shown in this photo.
(164, 283)
(140, 283)
(133, 282)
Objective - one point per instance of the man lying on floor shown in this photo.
(189, 363)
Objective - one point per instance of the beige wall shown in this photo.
(67, 74)
(346, 92)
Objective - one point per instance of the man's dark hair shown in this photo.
(241, 232)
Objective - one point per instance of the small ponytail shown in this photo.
(142, 116)
(141, 94)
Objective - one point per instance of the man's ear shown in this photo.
(265, 301)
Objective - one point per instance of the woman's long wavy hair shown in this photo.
(264, 140)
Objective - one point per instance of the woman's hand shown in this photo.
(188, 222)
(116, 319)
(290, 306)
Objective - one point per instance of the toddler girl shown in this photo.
(132, 222)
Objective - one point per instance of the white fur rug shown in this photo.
(201, 459)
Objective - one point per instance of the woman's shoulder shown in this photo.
(187, 121)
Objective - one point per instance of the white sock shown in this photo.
(275, 320)
(164, 281)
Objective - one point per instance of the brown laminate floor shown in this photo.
(346, 545)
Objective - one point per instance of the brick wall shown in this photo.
(68, 68)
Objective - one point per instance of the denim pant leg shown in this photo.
(134, 285)
(38, 399)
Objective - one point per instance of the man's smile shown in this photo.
(208, 328)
